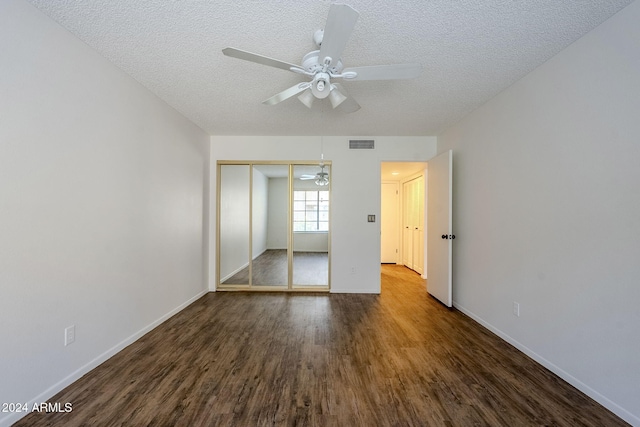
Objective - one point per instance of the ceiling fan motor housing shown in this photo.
(311, 64)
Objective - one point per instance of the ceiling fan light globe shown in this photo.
(307, 98)
(336, 97)
(322, 181)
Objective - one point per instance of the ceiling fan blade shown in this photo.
(286, 94)
(349, 105)
(385, 72)
(306, 178)
(340, 22)
(260, 59)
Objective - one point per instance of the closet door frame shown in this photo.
(290, 286)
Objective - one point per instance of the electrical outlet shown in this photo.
(69, 335)
(353, 270)
(516, 309)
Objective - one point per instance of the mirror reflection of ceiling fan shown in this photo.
(324, 66)
(321, 178)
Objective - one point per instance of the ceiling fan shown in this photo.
(321, 178)
(325, 64)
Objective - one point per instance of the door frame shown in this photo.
(408, 170)
(398, 219)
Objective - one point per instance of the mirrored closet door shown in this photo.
(269, 207)
(234, 220)
(273, 226)
(310, 225)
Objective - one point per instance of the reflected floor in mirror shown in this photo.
(270, 269)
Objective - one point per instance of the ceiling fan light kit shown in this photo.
(307, 98)
(336, 97)
(321, 178)
(322, 181)
(325, 64)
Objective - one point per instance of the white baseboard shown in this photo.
(74, 376)
(237, 270)
(603, 400)
(352, 291)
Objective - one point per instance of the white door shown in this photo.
(407, 223)
(389, 223)
(413, 225)
(440, 235)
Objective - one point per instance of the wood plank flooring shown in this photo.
(262, 359)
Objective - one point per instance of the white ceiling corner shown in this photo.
(471, 50)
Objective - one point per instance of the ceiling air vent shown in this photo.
(357, 144)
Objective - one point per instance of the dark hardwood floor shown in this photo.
(261, 359)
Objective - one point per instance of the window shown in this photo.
(310, 211)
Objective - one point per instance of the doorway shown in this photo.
(403, 217)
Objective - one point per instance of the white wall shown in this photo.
(277, 213)
(260, 207)
(101, 207)
(311, 242)
(547, 213)
(234, 209)
(355, 193)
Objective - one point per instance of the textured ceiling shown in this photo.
(470, 49)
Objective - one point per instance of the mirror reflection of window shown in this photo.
(311, 210)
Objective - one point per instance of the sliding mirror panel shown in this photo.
(310, 225)
(234, 224)
(269, 230)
